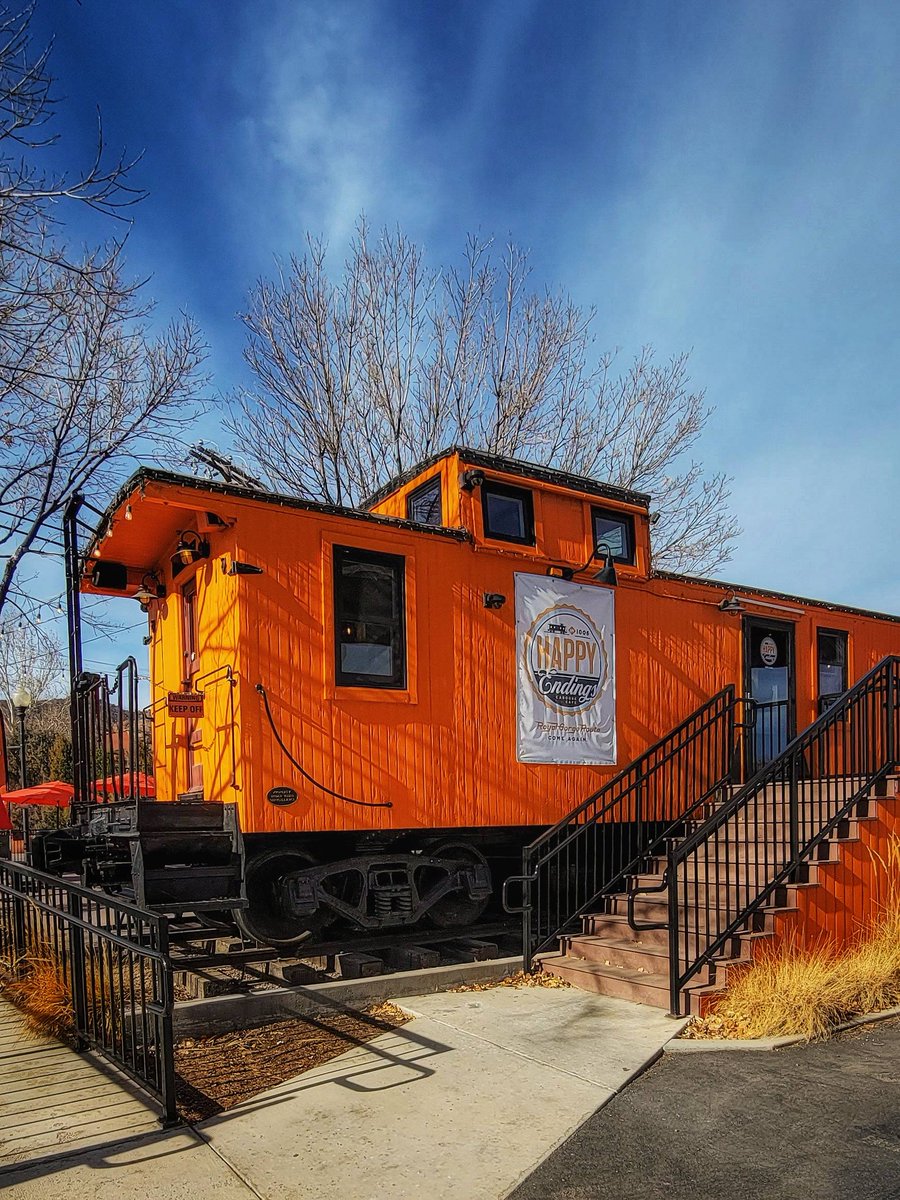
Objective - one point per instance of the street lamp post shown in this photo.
(21, 699)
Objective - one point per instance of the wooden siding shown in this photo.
(441, 750)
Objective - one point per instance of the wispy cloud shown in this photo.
(330, 125)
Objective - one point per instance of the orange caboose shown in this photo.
(397, 698)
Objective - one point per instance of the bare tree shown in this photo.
(30, 656)
(84, 384)
(358, 378)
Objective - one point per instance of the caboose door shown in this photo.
(769, 681)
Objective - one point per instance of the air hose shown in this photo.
(306, 775)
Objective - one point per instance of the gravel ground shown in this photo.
(821, 1122)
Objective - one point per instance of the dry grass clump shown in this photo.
(806, 993)
(37, 988)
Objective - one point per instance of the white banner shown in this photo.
(565, 672)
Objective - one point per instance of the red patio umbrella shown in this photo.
(5, 822)
(55, 794)
(145, 784)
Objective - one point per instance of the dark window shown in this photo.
(368, 616)
(831, 658)
(508, 513)
(615, 530)
(424, 504)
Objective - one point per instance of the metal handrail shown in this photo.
(606, 837)
(113, 960)
(759, 839)
(99, 740)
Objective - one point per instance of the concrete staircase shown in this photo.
(608, 957)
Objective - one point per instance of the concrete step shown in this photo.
(720, 876)
(615, 952)
(615, 928)
(655, 907)
(617, 982)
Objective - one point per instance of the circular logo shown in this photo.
(768, 651)
(567, 661)
(281, 796)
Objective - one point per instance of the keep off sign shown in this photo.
(185, 704)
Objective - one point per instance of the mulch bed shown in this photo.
(215, 1073)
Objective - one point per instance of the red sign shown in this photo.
(185, 704)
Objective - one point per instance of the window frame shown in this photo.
(432, 484)
(844, 636)
(358, 679)
(507, 491)
(627, 520)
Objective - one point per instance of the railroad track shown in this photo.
(208, 960)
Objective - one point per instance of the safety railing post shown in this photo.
(674, 932)
(165, 1042)
(794, 796)
(78, 971)
(527, 913)
(891, 713)
(18, 906)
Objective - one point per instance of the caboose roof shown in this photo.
(511, 466)
(135, 546)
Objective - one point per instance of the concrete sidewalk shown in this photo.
(460, 1104)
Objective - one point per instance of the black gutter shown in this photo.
(512, 466)
(751, 590)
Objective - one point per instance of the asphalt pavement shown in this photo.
(816, 1122)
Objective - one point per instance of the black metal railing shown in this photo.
(109, 741)
(759, 839)
(109, 962)
(771, 732)
(609, 835)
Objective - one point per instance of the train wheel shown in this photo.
(457, 908)
(264, 919)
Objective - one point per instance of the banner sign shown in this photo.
(565, 672)
(185, 704)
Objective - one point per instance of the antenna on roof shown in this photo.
(214, 463)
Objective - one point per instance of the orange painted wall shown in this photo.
(850, 891)
(442, 750)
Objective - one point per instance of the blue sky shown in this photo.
(716, 177)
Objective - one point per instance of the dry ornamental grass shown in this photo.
(38, 990)
(806, 993)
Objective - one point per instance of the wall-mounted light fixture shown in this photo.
(731, 604)
(606, 574)
(471, 479)
(494, 600)
(735, 604)
(150, 589)
(190, 548)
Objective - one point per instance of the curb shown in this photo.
(704, 1045)
(222, 1014)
